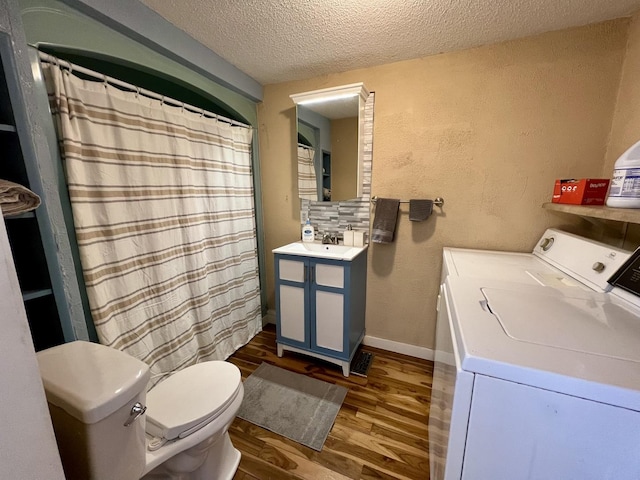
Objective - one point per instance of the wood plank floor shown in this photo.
(380, 432)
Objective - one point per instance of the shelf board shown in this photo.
(33, 294)
(22, 215)
(628, 215)
(7, 128)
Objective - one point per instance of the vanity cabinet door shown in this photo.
(327, 292)
(292, 315)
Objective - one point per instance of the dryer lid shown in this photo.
(191, 398)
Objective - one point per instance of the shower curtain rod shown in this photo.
(45, 57)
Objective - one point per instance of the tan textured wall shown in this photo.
(625, 130)
(488, 129)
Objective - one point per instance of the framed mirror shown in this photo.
(330, 142)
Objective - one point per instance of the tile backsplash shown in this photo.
(333, 217)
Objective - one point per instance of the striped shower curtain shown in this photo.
(307, 185)
(162, 202)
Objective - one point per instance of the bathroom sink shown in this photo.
(317, 249)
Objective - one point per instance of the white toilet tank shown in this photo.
(91, 390)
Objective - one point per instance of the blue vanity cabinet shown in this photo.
(320, 306)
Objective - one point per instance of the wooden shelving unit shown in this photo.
(627, 215)
(24, 231)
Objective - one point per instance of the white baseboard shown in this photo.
(389, 345)
(397, 347)
(270, 317)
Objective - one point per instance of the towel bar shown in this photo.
(438, 201)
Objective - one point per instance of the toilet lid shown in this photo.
(189, 399)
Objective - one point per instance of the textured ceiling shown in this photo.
(281, 40)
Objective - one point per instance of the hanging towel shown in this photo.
(420, 210)
(16, 199)
(384, 223)
(307, 185)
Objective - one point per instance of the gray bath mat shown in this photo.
(300, 408)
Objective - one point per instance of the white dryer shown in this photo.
(559, 259)
(537, 364)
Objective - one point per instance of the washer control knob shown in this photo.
(546, 243)
(599, 267)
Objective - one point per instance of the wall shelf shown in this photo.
(628, 215)
(21, 216)
(33, 294)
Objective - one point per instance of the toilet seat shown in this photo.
(190, 399)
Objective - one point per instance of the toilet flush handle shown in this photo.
(137, 410)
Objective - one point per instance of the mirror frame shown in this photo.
(336, 93)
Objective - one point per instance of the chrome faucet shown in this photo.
(329, 239)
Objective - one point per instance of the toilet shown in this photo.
(109, 427)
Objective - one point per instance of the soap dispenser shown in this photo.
(307, 232)
(348, 236)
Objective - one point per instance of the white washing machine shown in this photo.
(537, 364)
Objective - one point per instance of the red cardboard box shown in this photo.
(584, 191)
